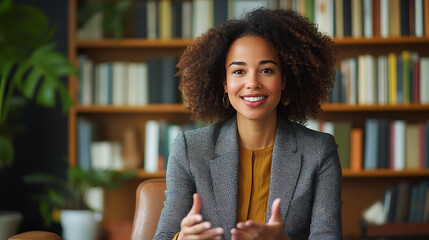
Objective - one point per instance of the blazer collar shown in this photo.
(285, 168)
(224, 173)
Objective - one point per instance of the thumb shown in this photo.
(196, 206)
(275, 212)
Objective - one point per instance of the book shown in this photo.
(202, 17)
(383, 151)
(176, 19)
(85, 136)
(142, 93)
(187, 19)
(367, 18)
(376, 18)
(397, 149)
(119, 83)
(152, 21)
(339, 18)
(140, 17)
(165, 19)
(399, 80)
(424, 80)
(169, 92)
(419, 18)
(357, 18)
(404, 17)
(371, 144)
(220, 12)
(412, 146)
(347, 14)
(384, 18)
(406, 76)
(342, 136)
(392, 79)
(356, 149)
(403, 199)
(155, 86)
(151, 150)
(395, 24)
(324, 16)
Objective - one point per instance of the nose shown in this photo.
(253, 81)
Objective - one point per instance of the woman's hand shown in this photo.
(193, 227)
(251, 230)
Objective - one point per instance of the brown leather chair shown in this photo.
(149, 203)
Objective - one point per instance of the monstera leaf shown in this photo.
(29, 66)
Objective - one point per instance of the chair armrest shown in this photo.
(36, 235)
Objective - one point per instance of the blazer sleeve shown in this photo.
(326, 222)
(180, 188)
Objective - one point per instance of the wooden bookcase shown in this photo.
(360, 188)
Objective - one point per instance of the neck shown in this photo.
(257, 134)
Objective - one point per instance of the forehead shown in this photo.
(251, 48)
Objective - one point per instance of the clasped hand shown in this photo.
(193, 227)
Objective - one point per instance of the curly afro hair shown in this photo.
(307, 63)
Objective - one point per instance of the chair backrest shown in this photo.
(149, 203)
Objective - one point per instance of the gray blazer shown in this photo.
(305, 174)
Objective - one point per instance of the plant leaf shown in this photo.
(6, 152)
(46, 67)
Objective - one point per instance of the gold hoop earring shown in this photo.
(225, 100)
(285, 101)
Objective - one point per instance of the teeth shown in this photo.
(253, 99)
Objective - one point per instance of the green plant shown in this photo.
(30, 67)
(71, 193)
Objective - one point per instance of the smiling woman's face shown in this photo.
(253, 78)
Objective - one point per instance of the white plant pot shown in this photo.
(9, 223)
(80, 224)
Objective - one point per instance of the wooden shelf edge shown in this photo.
(379, 40)
(133, 43)
(398, 229)
(142, 174)
(180, 108)
(178, 42)
(385, 173)
(342, 107)
(150, 108)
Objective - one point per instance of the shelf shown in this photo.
(148, 175)
(380, 41)
(398, 229)
(377, 173)
(179, 108)
(151, 108)
(134, 43)
(179, 43)
(339, 107)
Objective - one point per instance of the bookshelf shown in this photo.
(360, 188)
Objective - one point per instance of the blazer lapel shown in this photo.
(224, 173)
(285, 167)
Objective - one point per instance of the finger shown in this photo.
(196, 206)
(275, 212)
(197, 228)
(191, 220)
(215, 233)
(239, 234)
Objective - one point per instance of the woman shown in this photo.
(256, 173)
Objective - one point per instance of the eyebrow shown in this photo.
(262, 62)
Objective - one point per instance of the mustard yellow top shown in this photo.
(254, 172)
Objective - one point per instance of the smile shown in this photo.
(253, 99)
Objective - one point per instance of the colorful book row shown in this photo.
(128, 83)
(382, 144)
(386, 79)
